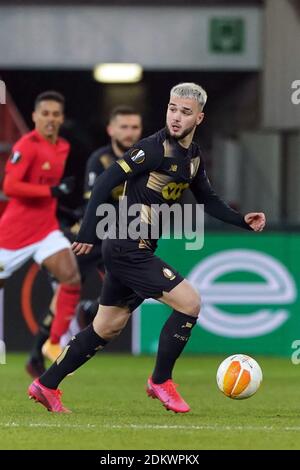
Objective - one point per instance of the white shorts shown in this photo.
(11, 260)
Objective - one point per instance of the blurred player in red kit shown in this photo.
(29, 227)
(124, 128)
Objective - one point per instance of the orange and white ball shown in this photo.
(239, 377)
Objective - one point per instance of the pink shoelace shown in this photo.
(170, 388)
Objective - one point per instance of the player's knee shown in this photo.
(117, 327)
(114, 332)
(108, 330)
(193, 305)
(72, 277)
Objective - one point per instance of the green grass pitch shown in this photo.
(111, 410)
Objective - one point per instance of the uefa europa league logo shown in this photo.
(2, 92)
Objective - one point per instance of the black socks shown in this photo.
(79, 350)
(173, 338)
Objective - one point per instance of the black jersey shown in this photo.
(171, 170)
(157, 169)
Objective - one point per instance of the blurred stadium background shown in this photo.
(246, 54)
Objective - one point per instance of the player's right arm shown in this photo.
(139, 159)
(15, 171)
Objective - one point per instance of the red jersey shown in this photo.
(34, 166)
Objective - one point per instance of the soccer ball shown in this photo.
(239, 377)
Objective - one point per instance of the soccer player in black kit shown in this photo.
(157, 170)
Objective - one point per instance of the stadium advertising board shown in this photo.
(249, 290)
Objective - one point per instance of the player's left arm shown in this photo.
(216, 207)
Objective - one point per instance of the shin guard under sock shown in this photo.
(79, 350)
(173, 337)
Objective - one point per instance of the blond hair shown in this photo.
(192, 91)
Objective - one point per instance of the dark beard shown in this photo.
(121, 147)
(180, 137)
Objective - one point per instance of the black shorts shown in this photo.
(133, 274)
